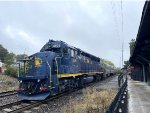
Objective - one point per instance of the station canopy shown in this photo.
(141, 51)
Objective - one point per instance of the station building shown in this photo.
(140, 57)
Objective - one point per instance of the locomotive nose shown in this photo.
(43, 85)
(28, 86)
(32, 86)
(33, 89)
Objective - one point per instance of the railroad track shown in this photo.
(8, 93)
(20, 106)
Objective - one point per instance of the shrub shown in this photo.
(11, 71)
(93, 101)
(8, 83)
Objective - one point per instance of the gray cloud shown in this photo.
(93, 26)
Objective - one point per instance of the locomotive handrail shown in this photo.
(57, 64)
(50, 74)
(58, 67)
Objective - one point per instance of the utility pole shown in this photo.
(120, 62)
(24, 52)
(122, 53)
(122, 31)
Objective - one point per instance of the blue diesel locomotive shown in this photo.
(58, 67)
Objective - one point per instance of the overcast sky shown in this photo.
(93, 26)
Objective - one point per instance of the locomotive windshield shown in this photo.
(54, 47)
(56, 50)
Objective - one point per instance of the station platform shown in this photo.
(139, 97)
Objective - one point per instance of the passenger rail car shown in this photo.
(58, 67)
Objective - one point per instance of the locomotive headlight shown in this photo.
(20, 81)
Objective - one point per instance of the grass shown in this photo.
(93, 101)
(8, 83)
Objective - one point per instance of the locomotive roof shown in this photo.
(65, 44)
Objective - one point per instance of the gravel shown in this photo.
(9, 99)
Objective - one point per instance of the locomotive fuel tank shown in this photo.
(88, 79)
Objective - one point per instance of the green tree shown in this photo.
(9, 59)
(108, 62)
(132, 45)
(126, 64)
(3, 53)
(11, 71)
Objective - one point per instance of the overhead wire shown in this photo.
(120, 35)
(113, 6)
(118, 28)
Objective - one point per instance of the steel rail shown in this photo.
(36, 103)
(8, 93)
(10, 104)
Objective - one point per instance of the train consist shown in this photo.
(57, 68)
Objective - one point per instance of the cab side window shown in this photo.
(65, 50)
(72, 53)
(75, 53)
